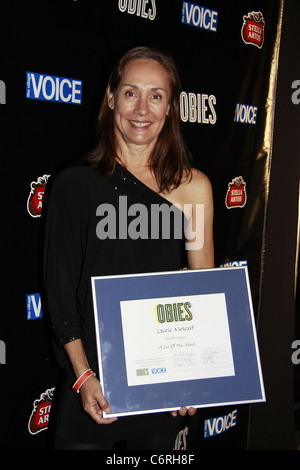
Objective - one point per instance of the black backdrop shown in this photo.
(223, 74)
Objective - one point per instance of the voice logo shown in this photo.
(34, 306)
(52, 88)
(200, 17)
(245, 113)
(216, 426)
(159, 370)
(233, 264)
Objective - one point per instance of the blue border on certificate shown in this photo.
(246, 386)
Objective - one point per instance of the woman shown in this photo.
(140, 154)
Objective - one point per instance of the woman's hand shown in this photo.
(94, 402)
(92, 397)
(183, 411)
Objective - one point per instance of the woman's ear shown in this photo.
(110, 99)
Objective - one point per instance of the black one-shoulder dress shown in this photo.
(73, 253)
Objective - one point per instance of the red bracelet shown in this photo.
(80, 381)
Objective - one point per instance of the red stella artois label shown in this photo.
(253, 29)
(35, 199)
(236, 193)
(39, 418)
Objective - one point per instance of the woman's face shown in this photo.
(140, 103)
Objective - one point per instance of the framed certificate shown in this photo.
(183, 338)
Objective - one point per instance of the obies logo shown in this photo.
(139, 8)
(181, 440)
(253, 29)
(36, 195)
(236, 194)
(198, 108)
(39, 418)
(173, 312)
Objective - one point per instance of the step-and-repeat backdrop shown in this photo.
(56, 59)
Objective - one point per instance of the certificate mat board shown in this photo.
(183, 338)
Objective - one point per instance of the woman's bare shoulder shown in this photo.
(198, 176)
(197, 184)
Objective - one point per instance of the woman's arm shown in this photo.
(63, 260)
(92, 397)
(200, 250)
(200, 245)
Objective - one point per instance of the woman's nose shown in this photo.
(142, 107)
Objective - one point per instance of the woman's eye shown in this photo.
(156, 97)
(130, 94)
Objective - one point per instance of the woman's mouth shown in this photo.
(140, 125)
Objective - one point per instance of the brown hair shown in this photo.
(169, 160)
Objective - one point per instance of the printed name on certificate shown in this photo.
(176, 339)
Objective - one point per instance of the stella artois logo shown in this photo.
(36, 195)
(236, 193)
(39, 418)
(253, 29)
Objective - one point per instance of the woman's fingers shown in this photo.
(183, 411)
(94, 402)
